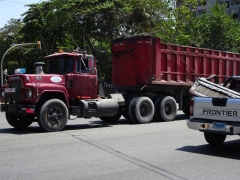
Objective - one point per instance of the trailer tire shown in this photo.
(111, 119)
(214, 139)
(186, 110)
(53, 115)
(142, 110)
(165, 108)
(186, 105)
(18, 121)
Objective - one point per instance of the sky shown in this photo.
(13, 9)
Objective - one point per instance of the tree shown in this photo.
(214, 30)
(9, 35)
(90, 24)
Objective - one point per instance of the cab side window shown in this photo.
(78, 66)
(82, 65)
(235, 85)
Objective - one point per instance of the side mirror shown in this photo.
(90, 63)
(5, 72)
(5, 76)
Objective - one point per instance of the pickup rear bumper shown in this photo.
(231, 128)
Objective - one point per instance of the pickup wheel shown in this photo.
(142, 110)
(111, 119)
(18, 121)
(53, 115)
(165, 108)
(214, 139)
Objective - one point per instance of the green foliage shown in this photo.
(93, 24)
(214, 30)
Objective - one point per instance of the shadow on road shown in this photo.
(96, 123)
(36, 129)
(181, 117)
(29, 130)
(229, 150)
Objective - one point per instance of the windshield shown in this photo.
(60, 65)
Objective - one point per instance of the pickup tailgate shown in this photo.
(218, 109)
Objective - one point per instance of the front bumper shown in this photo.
(232, 128)
(18, 108)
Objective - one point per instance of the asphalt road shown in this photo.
(91, 149)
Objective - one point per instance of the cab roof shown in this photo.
(73, 54)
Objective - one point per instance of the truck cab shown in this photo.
(69, 86)
(79, 72)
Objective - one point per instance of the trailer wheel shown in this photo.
(18, 121)
(53, 115)
(186, 105)
(165, 108)
(111, 119)
(214, 139)
(186, 109)
(142, 110)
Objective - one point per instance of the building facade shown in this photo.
(233, 6)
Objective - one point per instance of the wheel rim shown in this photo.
(54, 115)
(168, 108)
(144, 110)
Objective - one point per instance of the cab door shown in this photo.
(84, 81)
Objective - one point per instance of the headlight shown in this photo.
(3, 93)
(28, 93)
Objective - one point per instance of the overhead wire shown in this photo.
(13, 2)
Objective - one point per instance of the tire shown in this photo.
(18, 121)
(186, 110)
(53, 115)
(156, 115)
(214, 139)
(186, 105)
(111, 119)
(133, 101)
(126, 111)
(142, 110)
(165, 109)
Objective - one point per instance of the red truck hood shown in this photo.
(39, 78)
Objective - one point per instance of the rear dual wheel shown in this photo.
(165, 109)
(141, 110)
(127, 110)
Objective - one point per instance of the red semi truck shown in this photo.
(149, 78)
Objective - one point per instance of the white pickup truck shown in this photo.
(216, 116)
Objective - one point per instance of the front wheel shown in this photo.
(214, 139)
(53, 115)
(18, 121)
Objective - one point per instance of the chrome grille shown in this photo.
(18, 96)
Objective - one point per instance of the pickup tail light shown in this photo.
(191, 107)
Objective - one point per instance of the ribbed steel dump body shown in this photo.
(204, 88)
(143, 60)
